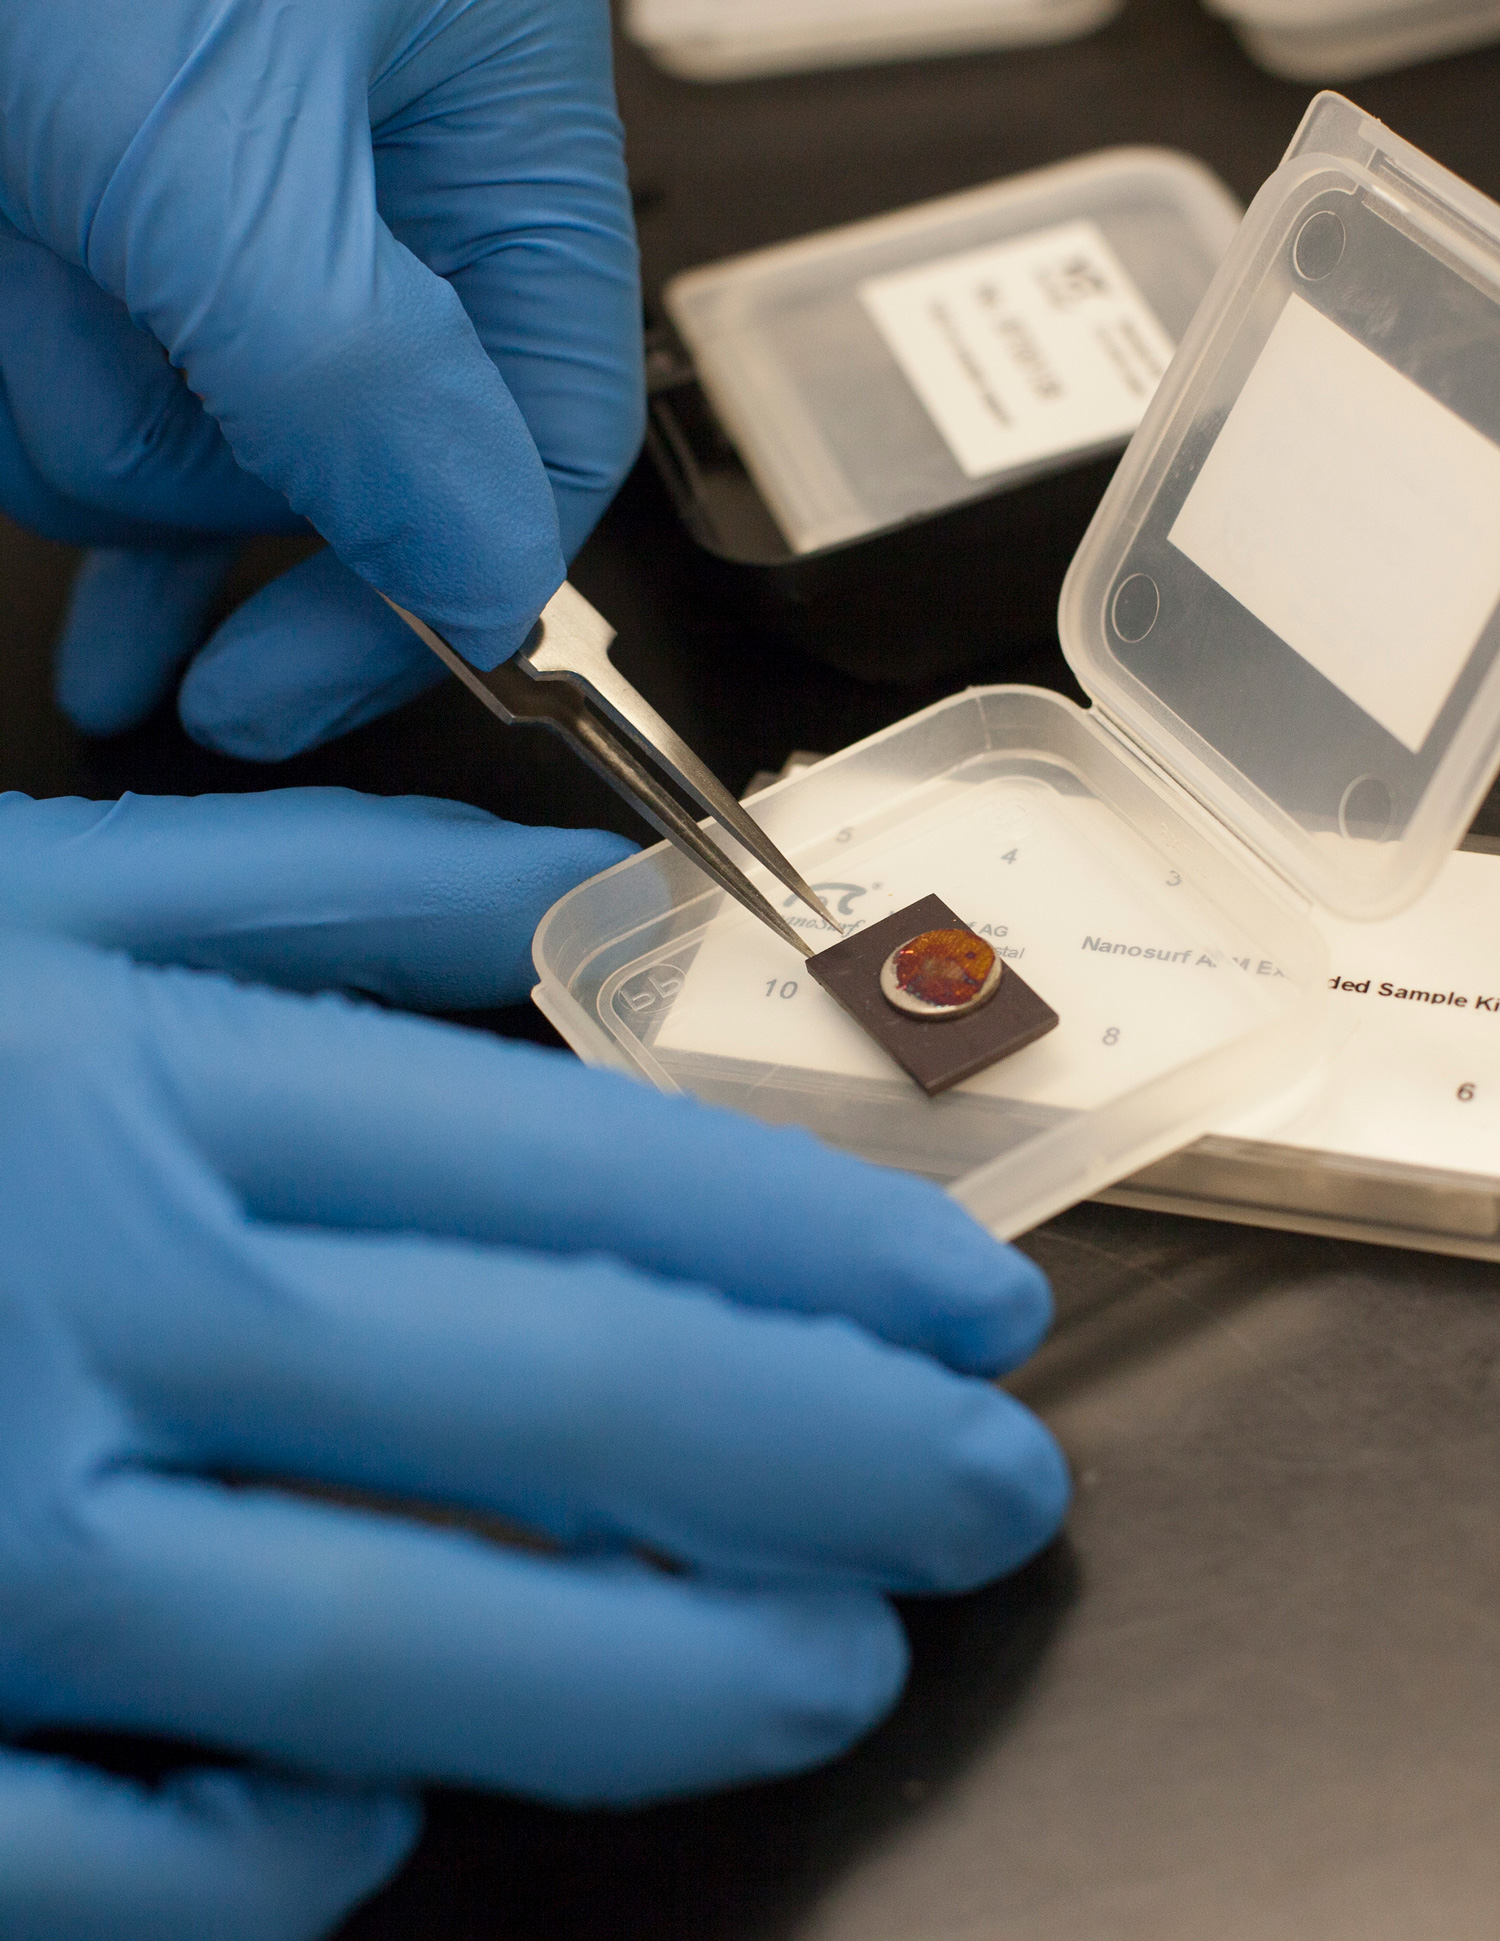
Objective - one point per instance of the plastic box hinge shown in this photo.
(1202, 813)
(1443, 206)
(1454, 200)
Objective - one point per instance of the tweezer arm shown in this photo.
(516, 696)
(571, 643)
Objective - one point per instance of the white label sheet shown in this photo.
(1354, 516)
(1140, 979)
(1024, 350)
(1414, 1079)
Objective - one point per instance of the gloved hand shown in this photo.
(388, 245)
(257, 1242)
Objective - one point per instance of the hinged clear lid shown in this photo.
(1289, 595)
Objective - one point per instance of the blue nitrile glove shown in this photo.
(388, 245)
(273, 1239)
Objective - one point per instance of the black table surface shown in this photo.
(1254, 1692)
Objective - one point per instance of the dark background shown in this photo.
(1255, 1692)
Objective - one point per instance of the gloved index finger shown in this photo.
(418, 901)
(326, 1115)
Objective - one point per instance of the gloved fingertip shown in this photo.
(1012, 1469)
(583, 853)
(485, 888)
(816, 1672)
(1010, 1318)
(582, 502)
(217, 715)
(134, 615)
(973, 1301)
(312, 656)
(294, 1858)
(536, 866)
(359, 1836)
(839, 1680)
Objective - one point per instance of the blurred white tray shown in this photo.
(1396, 1138)
(721, 40)
(1339, 40)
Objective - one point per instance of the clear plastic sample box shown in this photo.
(720, 40)
(1285, 617)
(896, 432)
(1339, 40)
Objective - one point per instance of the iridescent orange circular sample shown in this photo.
(941, 974)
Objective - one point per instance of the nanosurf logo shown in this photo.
(838, 897)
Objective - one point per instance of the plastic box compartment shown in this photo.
(1340, 40)
(648, 969)
(1295, 1164)
(822, 493)
(722, 40)
(1287, 616)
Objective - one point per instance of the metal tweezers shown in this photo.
(563, 679)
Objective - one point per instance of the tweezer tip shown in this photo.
(821, 909)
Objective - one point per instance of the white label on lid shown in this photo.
(1354, 516)
(1024, 350)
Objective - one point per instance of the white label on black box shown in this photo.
(1024, 350)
